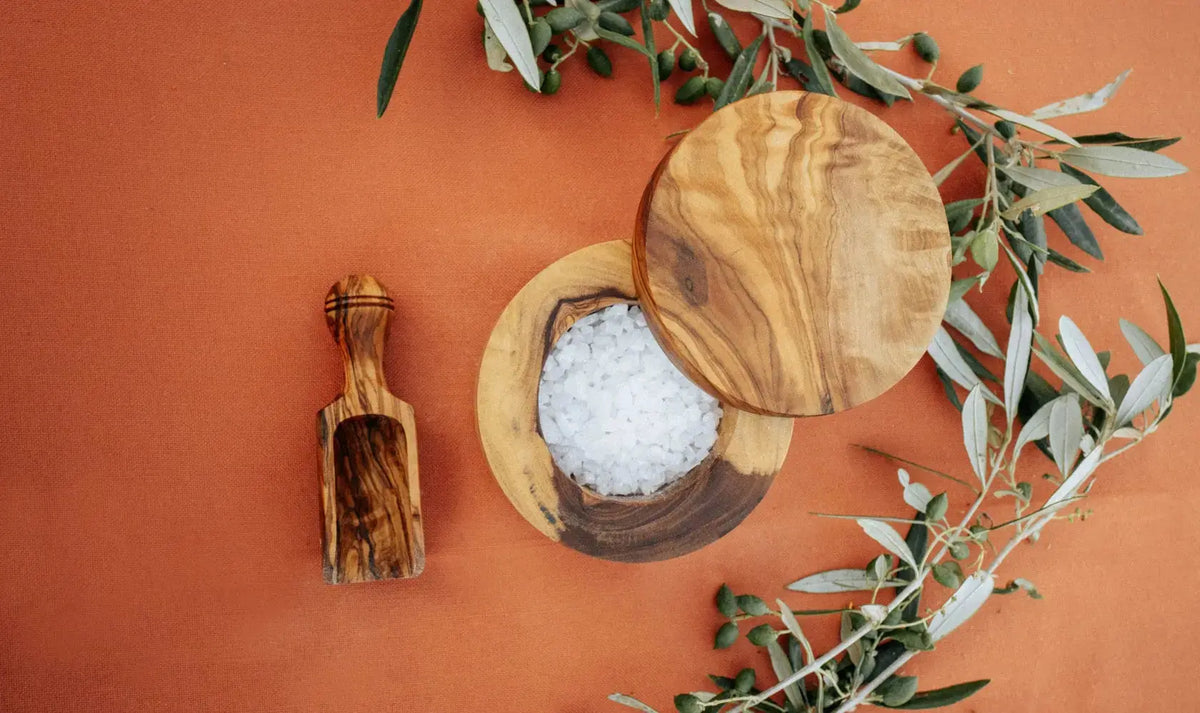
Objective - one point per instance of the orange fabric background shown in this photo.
(183, 181)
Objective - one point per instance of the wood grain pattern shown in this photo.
(792, 255)
(699, 508)
(370, 491)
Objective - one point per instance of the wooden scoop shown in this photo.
(370, 495)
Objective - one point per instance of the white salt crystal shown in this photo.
(617, 416)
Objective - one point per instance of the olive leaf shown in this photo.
(960, 316)
(820, 71)
(837, 580)
(1038, 178)
(626, 42)
(1071, 222)
(683, 9)
(945, 355)
(1036, 426)
(879, 46)
(963, 604)
(783, 669)
(941, 697)
(959, 288)
(975, 432)
(1066, 431)
(1152, 384)
(394, 53)
(1070, 487)
(887, 536)
(631, 702)
(651, 51)
(1065, 370)
(915, 494)
(497, 58)
(1020, 343)
(1079, 349)
(858, 62)
(740, 76)
(1039, 126)
(1047, 199)
(1103, 204)
(1122, 161)
(1178, 343)
(778, 9)
(1156, 143)
(509, 26)
(789, 620)
(1089, 101)
(1143, 345)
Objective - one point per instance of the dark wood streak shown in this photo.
(663, 526)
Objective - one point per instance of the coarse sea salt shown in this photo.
(617, 415)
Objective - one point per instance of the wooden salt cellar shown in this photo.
(792, 258)
(370, 495)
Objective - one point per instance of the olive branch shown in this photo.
(1081, 420)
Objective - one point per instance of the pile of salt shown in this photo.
(617, 416)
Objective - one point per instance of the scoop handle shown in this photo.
(359, 313)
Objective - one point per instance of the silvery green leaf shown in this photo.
(1070, 487)
(1152, 384)
(837, 580)
(789, 620)
(815, 60)
(1065, 370)
(1016, 363)
(855, 652)
(1027, 285)
(1066, 431)
(1126, 432)
(1038, 178)
(1194, 348)
(1037, 427)
(783, 670)
(497, 58)
(683, 9)
(777, 9)
(1144, 345)
(946, 356)
(879, 46)
(1090, 101)
(630, 701)
(1122, 161)
(959, 288)
(703, 696)
(1045, 200)
(859, 63)
(975, 432)
(1038, 126)
(509, 26)
(960, 316)
(887, 536)
(1084, 357)
(917, 496)
(963, 604)
(874, 613)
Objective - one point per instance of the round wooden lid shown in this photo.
(792, 255)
